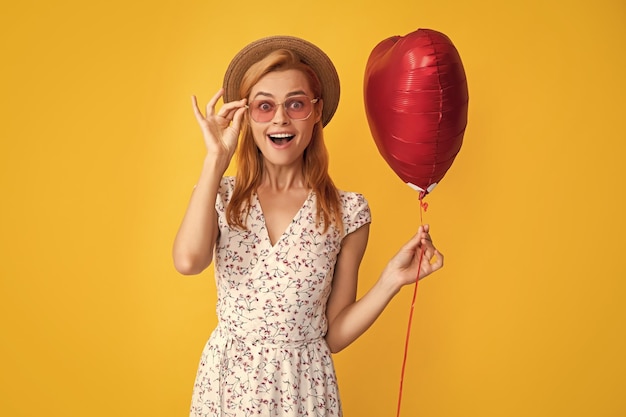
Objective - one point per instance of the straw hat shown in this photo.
(308, 53)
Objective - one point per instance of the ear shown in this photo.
(319, 106)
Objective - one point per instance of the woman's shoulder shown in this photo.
(227, 185)
(228, 182)
(351, 198)
(356, 210)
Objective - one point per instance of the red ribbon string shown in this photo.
(423, 207)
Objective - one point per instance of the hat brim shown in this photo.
(308, 53)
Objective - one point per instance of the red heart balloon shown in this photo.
(416, 101)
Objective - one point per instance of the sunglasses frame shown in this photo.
(276, 105)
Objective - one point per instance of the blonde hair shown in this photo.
(315, 156)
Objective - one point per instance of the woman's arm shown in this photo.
(196, 237)
(347, 318)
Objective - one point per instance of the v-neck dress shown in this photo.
(268, 356)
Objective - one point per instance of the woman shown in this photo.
(287, 243)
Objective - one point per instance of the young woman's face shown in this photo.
(283, 131)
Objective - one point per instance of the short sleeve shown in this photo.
(224, 193)
(356, 211)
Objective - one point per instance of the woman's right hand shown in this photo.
(198, 232)
(221, 130)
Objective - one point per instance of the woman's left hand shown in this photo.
(403, 267)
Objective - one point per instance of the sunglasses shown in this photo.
(296, 107)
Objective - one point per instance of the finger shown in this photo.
(423, 230)
(238, 117)
(430, 265)
(210, 106)
(229, 109)
(196, 110)
(438, 264)
(429, 250)
(413, 243)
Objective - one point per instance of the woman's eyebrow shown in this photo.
(290, 94)
(264, 94)
(296, 93)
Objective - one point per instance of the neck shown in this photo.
(281, 178)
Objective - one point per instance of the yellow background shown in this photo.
(99, 152)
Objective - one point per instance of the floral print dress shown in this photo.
(267, 356)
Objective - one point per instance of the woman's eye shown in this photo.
(265, 106)
(296, 104)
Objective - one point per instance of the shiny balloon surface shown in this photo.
(416, 101)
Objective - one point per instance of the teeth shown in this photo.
(281, 136)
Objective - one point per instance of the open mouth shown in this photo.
(281, 138)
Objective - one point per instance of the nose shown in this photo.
(280, 117)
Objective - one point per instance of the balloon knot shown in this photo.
(423, 204)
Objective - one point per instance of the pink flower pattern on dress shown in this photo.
(267, 356)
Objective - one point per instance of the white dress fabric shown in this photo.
(267, 356)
